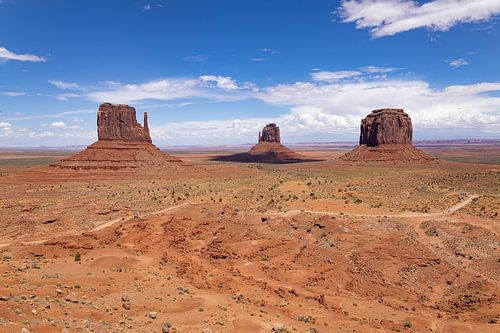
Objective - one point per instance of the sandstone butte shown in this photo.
(386, 136)
(122, 143)
(268, 150)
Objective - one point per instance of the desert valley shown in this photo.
(122, 237)
(263, 166)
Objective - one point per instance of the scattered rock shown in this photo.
(49, 221)
(71, 297)
(125, 298)
(166, 327)
(127, 305)
(152, 314)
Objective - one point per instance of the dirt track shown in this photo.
(100, 226)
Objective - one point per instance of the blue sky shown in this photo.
(215, 72)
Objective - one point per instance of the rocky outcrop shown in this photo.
(386, 136)
(118, 122)
(270, 133)
(386, 126)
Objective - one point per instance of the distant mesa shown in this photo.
(386, 136)
(268, 150)
(122, 143)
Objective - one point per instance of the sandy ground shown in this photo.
(309, 247)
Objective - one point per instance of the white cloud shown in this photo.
(329, 106)
(222, 82)
(8, 55)
(58, 124)
(5, 129)
(458, 63)
(268, 50)
(340, 106)
(337, 108)
(381, 70)
(146, 7)
(328, 76)
(65, 85)
(257, 59)
(389, 17)
(212, 87)
(14, 93)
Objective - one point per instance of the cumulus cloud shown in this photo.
(65, 85)
(330, 104)
(316, 108)
(9, 55)
(458, 63)
(389, 17)
(5, 128)
(340, 106)
(214, 87)
(58, 124)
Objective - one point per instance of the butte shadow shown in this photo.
(268, 150)
(386, 136)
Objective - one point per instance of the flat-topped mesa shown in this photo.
(118, 122)
(270, 133)
(386, 126)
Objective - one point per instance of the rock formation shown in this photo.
(386, 136)
(270, 133)
(268, 150)
(386, 126)
(118, 122)
(122, 143)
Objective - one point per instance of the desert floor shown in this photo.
(227, 247)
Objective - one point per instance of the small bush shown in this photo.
(78, 257)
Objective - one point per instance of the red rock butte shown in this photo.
(268, 150)
(118, 122)
(386, 136)
(122, 143)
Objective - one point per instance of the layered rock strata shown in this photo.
(386, 136)
(122, 143)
